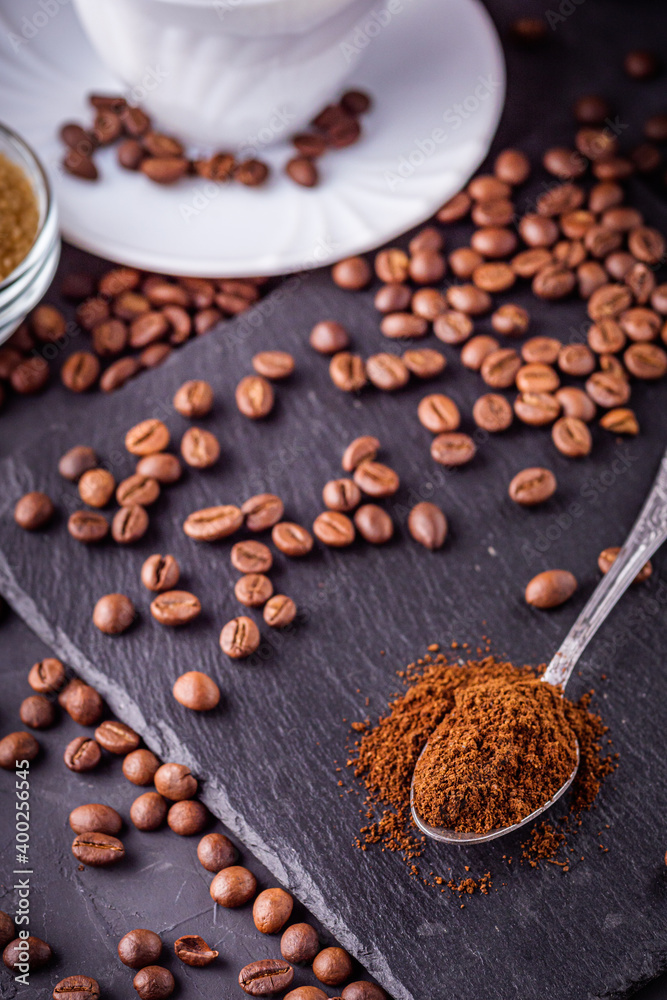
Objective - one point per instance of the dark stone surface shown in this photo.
(267, 755)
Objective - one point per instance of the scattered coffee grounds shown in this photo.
(502, 752)
(383, 756)
(19, 216)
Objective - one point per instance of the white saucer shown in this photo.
(435, 71)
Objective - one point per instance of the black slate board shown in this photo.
(267, 757)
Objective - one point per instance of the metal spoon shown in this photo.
(647, 535)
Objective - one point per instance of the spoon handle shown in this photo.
(647, 535)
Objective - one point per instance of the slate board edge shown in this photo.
(166, 745)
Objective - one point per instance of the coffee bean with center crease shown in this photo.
(82, 754)
(253, 590)
(175, 782)
(609, 301)
(647, 245)
(97, 849)
(608, 389)
(116, 737)
(251, 557)
(160, 573)
(387, 371)
(17, 747)
(374, 524)
(129, 524)
(329, 337)
(362, 448)
(47, 676)
(240, 637)
(575, 403)
(233, 886)
(163, 467)
(292, 539)
(551, 588)
(113, 614)
(147, 437)
(537, 377)
(376, 479)
(334, 529)
(532, 486)
(424, 362)
(492, 413)
(341, 494)
(96, 487)
(33, 511)
(438, 413)
(510, 320)
(175, 607)
(554, 281)
(149, 811)
(137, 489)
(154, 983)
(499, 368)
(76, 461)
(333, 966)
(37, 712)
(140, 767)
(262, 511)
(347, 371)
(77, 988)
(194, 399)
(200, 448)
(453, 448)
(95, 817)
(428, 525)
(646, 361)
(299, 944)
(266, 977)
(87, 526)
(254, 397)
(191, 949)
(536, 408)
(80, 371)
(139, 948)
(572, 437)
(37, 952)
(279, 611)
(215, 852)
(213, 523)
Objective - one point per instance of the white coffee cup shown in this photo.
(228, 74)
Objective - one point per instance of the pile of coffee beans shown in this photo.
(163, 158)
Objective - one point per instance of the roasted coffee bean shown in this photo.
(570, 253)
(154, 983)
(363, 990)
(77, 988)
(37, 712)
(477, 349)
(329, 337)
(606, 337)
(620, 421)
(251, 557)
(428, 238)
(265, 977)
(341, 494)
(607, 389)
(532, 486)
(253, 590)
(591, 109)
(80, 371)
(262, 511)
(400, 325)
(139, 948)
(274, 365)
(160, 573)
(175, 782)
(193, 950)
(601, 241)
(560, 199)
(76, 461)
(387, 371)
(453, 448)
(510, 320)
(551, 588)
(95, 817)
(30, 376)
(575, 403)
(97, 849)
(376, 479)
(618, 264)
(362, 448)
(91, 312)
(469, 299)
(428, 525)
(455, 209)
(500, 368)
(130, 153)
(271, 910)
(438, 413)
(564, 163)
(541, 350)
(494, 277)
(199, 448)
(492, 413)
(609, 301)
(334, 529)
(147, 329)
(645, 361)
(453, 327)
(117, 738)
(353, 273)
(117, 374)
(484, 187)
(572, 437)
(553, 282)
(7, 930)
(299, 944)
(512, 167)
(596, 143)
(640, 324)
(147, 437)
(113, 614)
(31, 951)
(240, 637)
(306, 993)
(576, 224)
(96, 487)
(129, 524)
(608, 557)
(175, 607)
(47, 323)
(81, 702)
(188, 818)
(392, 265)
(205, 320)
(149, 811)
(374, 524)
(215, 852)
(659, 299)
(16, 747)
(497, 212)
(82, 754)
(47, 676)
(303, 171)
(428, 303)
(140, 767)
(536, 408)
(528, 262)
(494, 242)
(424, 362)
(427, 267)
(213, 523)
(233, 886)
(463, 262)
(333, 966)
(347, 371)
(388, 299)
(87, 526)
(33, 511)
(538, 231)
(164, 169)
(162, 467)
(537, 377)
(291, 539)
(641, 64)
(109, 337)
(137, 489)
(279, 611)
(590, 276)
